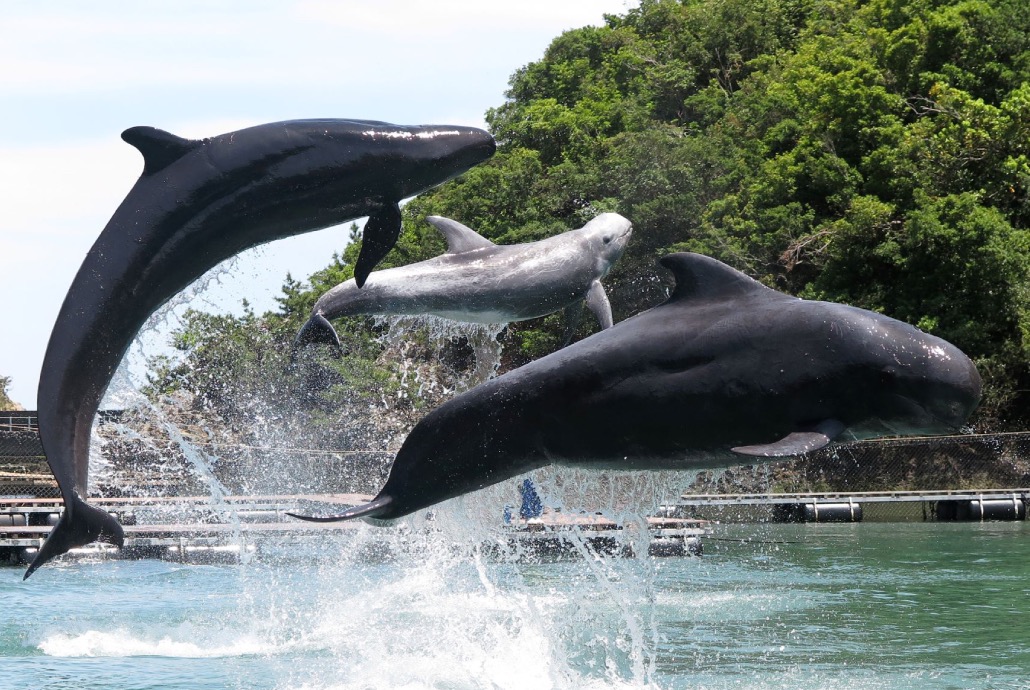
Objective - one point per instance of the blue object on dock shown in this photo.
(531, 505)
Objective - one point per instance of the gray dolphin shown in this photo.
(480, 282)
(196, 204)
(725, 371)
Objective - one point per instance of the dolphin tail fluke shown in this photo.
(317, 330)
(376, 507)
(80, 524)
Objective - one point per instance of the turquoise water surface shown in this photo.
(801, 606)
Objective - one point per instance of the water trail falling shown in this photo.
(153, 427)
(451, 343)
(459, 606)
(447, 598)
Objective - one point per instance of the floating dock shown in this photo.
(199, 529)
(879, 506)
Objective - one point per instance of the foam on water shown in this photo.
(125, 643)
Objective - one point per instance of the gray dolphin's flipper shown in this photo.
(380, 234)
(317, 330)
(597, 302)
(89, 524)
(159, 148)
(797, 443)
(460, 238)
(378, 505)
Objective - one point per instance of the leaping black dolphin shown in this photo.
(725, 370)
(196, 204)
(478, 281)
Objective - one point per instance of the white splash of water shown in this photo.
(123, 643)
(483, 339)
(444, 613)
(447, 615)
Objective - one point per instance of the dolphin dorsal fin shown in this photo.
(159, 148)
(460, 238)
(700, 277)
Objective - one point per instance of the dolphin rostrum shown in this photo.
(725, 371)
(197, 203)
(480, 282)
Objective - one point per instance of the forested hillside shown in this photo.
(873, 153)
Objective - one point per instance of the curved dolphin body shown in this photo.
(725, 371)
(196, 204)
(481, 282)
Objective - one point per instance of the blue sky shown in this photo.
(75, 74)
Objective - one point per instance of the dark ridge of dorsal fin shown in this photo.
(460, 238)
(159, 148)
(699, 277)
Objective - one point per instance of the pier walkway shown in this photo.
(854, 506)
(200, 529)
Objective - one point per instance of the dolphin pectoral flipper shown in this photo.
(597, 302)
(797, 443)
(377, 506)
(89, 524)
(381, 232)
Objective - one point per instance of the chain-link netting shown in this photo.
(23, 467)
(982, 461)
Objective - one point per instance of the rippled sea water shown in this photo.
(813, 606)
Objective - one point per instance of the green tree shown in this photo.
(873, 152)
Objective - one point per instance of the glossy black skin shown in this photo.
(196, 204)
(725, 362)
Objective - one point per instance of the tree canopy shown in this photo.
(875, 153)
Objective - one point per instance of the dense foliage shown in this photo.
(875, 153)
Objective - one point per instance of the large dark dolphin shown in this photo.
(480, 282)
(725, 371)
(196, 204)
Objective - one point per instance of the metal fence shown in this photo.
(19, 420)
